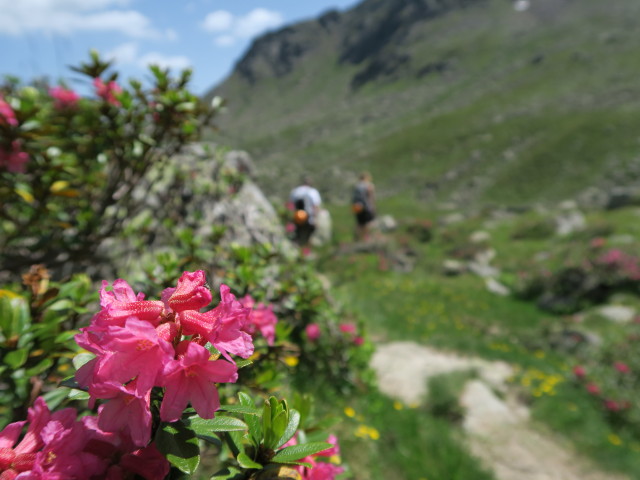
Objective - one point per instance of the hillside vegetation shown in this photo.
(468, 101)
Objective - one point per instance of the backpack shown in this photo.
(359, 199)
(302, 209)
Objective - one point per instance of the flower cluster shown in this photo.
(63, 98)
(56, 446)
(14, 159)
(7, 115)
(321, 469)
(261, 319)
(141, 344)
(107, 91)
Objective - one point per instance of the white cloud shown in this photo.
(231, 28)
(257, 21)
(218, 21)
(175, 62)
(69, 16)
(128, 54)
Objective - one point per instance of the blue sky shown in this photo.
(42, 37)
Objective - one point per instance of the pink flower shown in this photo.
(122, 303)
(7, 115)
(323, 471)
(593, 389)
(313, 332)
(579, 371)
(358, 341)
(261, 318)
(146, 462)
(622, 367)
(107, 91)
(290, 227)
(224, 325)
(134, 350)
(611, 405)
(14, 160)
(330, 452)
(349, 328)
(64, 98)
(126, 411)
(190, 293)
(191, 378)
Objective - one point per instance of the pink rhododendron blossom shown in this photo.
(261, 319)
(134, 350)
(593, 389)
(313, 332)
(63, 97)
(290, 227)
(358, 341)
(191, 292)
(333, 451)
(122, 303)
(191, 379)
(107, 91)
(622, 367)
(7, 115)
(579, 371)
(14, 160)
(126, 411)
(319, 470)
(228, 320)
(141, 344)
(322, 471)
(347, 328)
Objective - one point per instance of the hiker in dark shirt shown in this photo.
(364, 205)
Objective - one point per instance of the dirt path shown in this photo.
(498, 428)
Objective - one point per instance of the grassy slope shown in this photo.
(532, 107)
(458, 313)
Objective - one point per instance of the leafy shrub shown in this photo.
(69, 165)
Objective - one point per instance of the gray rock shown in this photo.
(569, 221)
(386, 223)
(453, 267)
(617, 313)
(496, 287)
(479, 236)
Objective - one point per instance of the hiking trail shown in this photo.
(498, 428)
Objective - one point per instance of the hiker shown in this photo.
(305, 202)
(364, 205)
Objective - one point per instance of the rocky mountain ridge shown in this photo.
(465, 100)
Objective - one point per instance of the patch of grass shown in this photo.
(388, 440)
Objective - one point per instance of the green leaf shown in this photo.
(296, 452)
(62, 304)
(65, 336)
(179, 444)
(40, 367)
(80, 359)
(247, 410)
(218, 424)
(292, 427)
(55, 397)
(230, 473)
(254, 422)
(243, 363)
(16, 358)
(15, 318)
(235, 442)
(245, 462)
